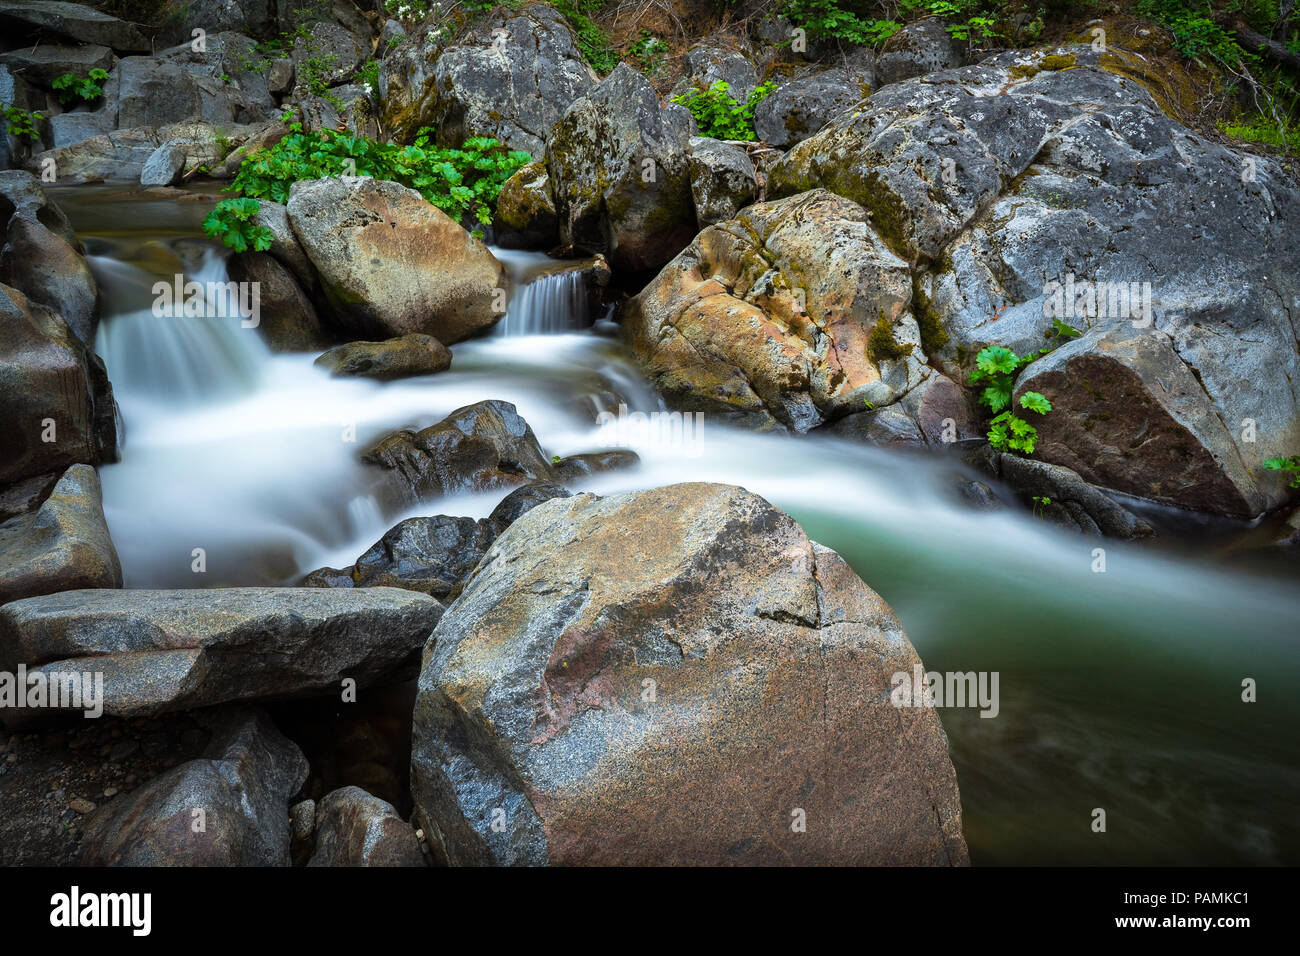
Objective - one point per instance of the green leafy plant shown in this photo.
(231, 222)
(71, 88)
(593, 42)
(838, 20)
(996, 369)
(649, 51)
(460, 182)
(721, 116)
(1041, 502)
(20, 123)
(1290, 464)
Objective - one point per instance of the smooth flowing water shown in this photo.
(1118, 690)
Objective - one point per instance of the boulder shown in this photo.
(355, 829)
(1074, 504)
(391, 263)
(620, 174)
(58, 407)
(723, 180)
(62, 545)
(81, 123)
(253, 17)
(235, 61)
(749, 324)
(511, 79)
(798, 109)
(41, 255)
(480, 447)
(578, 467)
(675, 677)
(164, 165)
(117, 156)
(165, 650)
(153, 91)
(240, 790)
(289, 320)
(401, 357)
(705, 64)
(37, 19)
(327, 55)
(525, 211)
(41, 64)
(995, 180)
(920, 48)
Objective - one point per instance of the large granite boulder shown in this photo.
(164, 650)
(392, 263)
(676, 676)
(921, 47)
(228, 808)
(620, 174)
(798, 109)
(62, 545)
(723, 180)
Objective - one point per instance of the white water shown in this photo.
(1118, 690)
(545, 302)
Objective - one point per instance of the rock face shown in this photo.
(749, 323)
(72, 20)
(290, 322)
(798, 109)
(41, 256)
(1188, 307)
(177, 650)
(512, 79)
(476, 448)
(240, 790)
(921, 47)
(58, 404)
(620, 174)
(62, 545)
(673, 677)
(723, 180)
(355, 829)
(401, 357)
(391, 263)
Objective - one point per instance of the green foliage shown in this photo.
(1263, 129)
(1290, 464)
(838, 20)
(458, 181)
(967, 20)
(996, 368)
(368, 76)
(230, 222)
(71, 88)
(20, 123)
(719, 115)
(593, 42)
(649, 51)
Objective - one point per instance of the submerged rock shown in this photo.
(62, 545)
(355, 829)
(177, 650)
(676, 676)
(401, 357)
(229, 808)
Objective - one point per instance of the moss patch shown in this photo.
(1058, 62)
(881, 344)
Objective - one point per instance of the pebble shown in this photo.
(81, 805)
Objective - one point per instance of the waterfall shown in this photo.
(546, 301)
(162, 353)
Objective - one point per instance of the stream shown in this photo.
(1118, 690)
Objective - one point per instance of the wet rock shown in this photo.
(176, 650)
(747, 322)
(672, 677)
(578, 467)
(401, 357)
(240, 791)
(391, 263)
(116, 156)
(620, 174)
(723, 180)
(1074, 503)
(355, 829)
(511, 78)
(476, 448)
(289, 319)
(525, 211)
(57, 402)
(921, 47)
(62, 545)
(523, 500)
(41, 255)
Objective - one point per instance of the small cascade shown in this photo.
(161, 352)
(546, 300)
